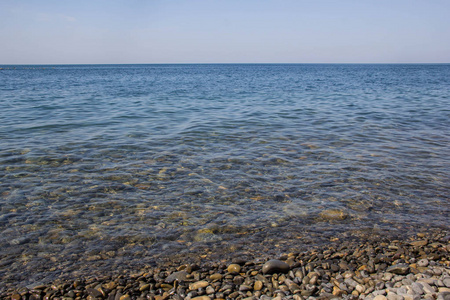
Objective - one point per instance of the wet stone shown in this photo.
(234, 268)
(275, 266)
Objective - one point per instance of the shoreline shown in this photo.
(416, 267)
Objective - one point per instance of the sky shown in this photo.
(224, 31)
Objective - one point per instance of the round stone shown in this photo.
(275, 266)
(234, 268)
(423, 262)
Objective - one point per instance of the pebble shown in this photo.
(275, 266)
(198, 285)
(401, 269)
(446, 282)
(234, 268)
(180, 276)
(422, 262)
(258, 285)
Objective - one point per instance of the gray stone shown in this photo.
(94, 293)
(446, 281)
(443, 296)
(417, 288)
(244, 288)
(379, 292)
(401, 269)
(423, 263)
(351, 282)
(275, 266)
(428, 289)
(180, 276)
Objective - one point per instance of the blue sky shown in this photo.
(225, 31)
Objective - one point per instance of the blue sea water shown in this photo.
(112, 166)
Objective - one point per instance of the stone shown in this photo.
(125, 297)
(446, 281)
(198, 285)
(94, 293)
(360, 288)
(387, 276)
(419, 243)
(401, 269)
(234, 268)
(239, 261)
(380, 297)
(244, 288)
(338, 292)
(417, 288)
(275, 266)
(443, 296)
(428, 289)
(16, 296)
(258, 285)
(210, 290)
(422, 263)
(216, 276)
(179, 276)
(333, 214)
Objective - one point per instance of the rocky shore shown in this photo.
(415, 268)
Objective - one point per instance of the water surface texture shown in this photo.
(105, 167)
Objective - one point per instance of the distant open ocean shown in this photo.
(111, 167)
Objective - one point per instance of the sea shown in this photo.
(112, 168)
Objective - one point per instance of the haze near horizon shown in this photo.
(200, 31)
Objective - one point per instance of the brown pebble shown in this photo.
(215, 276)
(234, 268)
(16, 296)
(198, 285)
(419, 243)
(258, 285)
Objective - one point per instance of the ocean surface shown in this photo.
(112, 167)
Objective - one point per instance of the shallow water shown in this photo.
(122, 162)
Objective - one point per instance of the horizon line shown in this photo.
(234, 63)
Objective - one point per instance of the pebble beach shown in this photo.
(414, 268)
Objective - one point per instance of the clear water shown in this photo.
(109, 166)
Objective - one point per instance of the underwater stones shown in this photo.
(333, 214)
(275, 266)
